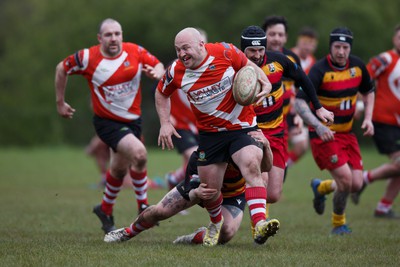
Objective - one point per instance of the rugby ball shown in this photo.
(246, 86)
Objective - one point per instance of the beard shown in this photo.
(112, 50)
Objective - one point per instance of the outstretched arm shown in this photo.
(309, 89)
(305, 113)
(155, 72)
(163, 107)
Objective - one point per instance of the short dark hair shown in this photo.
(308, 32)
(273, 20)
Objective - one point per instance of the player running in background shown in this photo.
(338, 78)
(306, 45)
(269, 112)
(307, 41)
(113, 70)
(191, 192)
(385, 70)
(276, 29)
(205, 73)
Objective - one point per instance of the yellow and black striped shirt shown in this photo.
(337, 89)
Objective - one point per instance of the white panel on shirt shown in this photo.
(394, 80)
(118, 97)
(107, 68)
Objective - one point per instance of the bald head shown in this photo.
(108, 21)
(189, 34)
(190, 48)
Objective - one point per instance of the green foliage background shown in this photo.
(36, 34)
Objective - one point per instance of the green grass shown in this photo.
(47, 195)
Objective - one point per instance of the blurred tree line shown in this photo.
(37, 34)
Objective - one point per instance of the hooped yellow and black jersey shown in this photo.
(234, 183)
(337, 89)
(270, 112)
(289, 85)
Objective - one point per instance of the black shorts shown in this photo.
(386, 138)
(219, 146)
(236, 201)
(188, 139)
(184, 190)
(290, 120)
(111, 132)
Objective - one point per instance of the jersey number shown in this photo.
(269, 101)
(346, 105)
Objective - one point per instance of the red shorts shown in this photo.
(331, 155)
(279, 150)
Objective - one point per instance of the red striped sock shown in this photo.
(256, 200)
(384, 205)
(139, 181)
(369, 177)
(214, 209)
(111, 190)
(136, 228)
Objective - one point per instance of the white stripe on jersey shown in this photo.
(85, 60)
(393, 80)
(118, 97)
(107, 68)
(208, 99)
(119, 103)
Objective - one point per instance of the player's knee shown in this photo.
(141, 159)
(356, 186)
(396, 163)
(227, 233)
(344, 185)
(273, 197)
(303, 147)
(118, 173)
(253, 167)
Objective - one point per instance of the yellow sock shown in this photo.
(338, 220)
(267, 211)
(325, 187)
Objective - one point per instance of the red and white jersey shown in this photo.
(307, 63)
(114, 82)
(385, 69)
(182, 117)
(209, 89)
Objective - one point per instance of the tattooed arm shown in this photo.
(305, 113)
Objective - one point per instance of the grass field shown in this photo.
(46, 219)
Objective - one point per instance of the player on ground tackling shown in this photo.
(190, 193)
